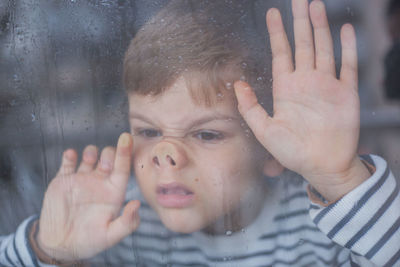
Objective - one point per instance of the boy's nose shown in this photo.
(168, 155)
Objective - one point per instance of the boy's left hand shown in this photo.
(315, 126)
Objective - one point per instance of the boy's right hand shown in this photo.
(81, 210)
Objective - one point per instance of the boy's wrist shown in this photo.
(42, 255)
(345, 182)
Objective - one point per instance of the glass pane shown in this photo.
(217, 185)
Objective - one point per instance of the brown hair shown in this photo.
(202, 41)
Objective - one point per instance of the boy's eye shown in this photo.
(209, 135)
(149, 133)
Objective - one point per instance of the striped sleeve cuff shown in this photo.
(15, 249)
(367, 219)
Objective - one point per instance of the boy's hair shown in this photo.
(205, 42)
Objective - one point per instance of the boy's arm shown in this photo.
(14, 248)
(81, 213)
(367, 219)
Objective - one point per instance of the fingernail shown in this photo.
(68, 154)
(319, 5)
(124, 140)
(90, 152)
(273, 13)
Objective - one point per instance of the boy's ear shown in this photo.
(272, 167)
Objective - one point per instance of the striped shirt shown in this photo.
(360, 229)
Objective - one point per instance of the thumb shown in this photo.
(253, 113)
(125, 224)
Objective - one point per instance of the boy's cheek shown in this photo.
(138, 161)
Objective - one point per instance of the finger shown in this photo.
(125, 224)
(253, 113)
(324, 57)
(349, 72)
(281, 51)
(89, 159)
(123, 159)
(68, 163)
(106, 162)
(303, 37)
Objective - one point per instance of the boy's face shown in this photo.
(195, 165)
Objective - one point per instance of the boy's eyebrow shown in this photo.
(195, 123)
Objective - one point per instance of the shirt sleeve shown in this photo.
(15, 249)
(366, 220)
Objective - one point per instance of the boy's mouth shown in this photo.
(174, 195)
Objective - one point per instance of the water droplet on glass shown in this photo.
(33, 117)
(228, 86)
(228, 233)
(244, 65)
(349, 11)
(259, 79)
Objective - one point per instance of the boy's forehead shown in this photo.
(175, 106)
(178, 97)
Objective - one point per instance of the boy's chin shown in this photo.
(182, 224)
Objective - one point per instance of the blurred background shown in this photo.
(60, 83)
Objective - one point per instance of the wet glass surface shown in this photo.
(61, 83)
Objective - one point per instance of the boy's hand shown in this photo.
(315, 126)
(81, 210)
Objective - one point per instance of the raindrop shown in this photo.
(228, 233)
(259, 79)
(244, 65)
(219, 95)
(228, 86)
(33, 117)
(349, 11)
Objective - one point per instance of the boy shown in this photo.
(201, 170)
